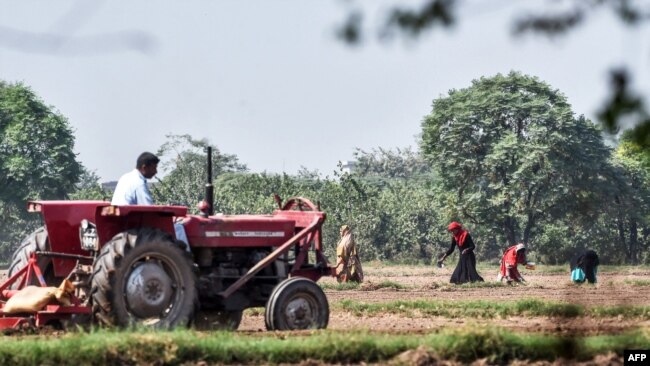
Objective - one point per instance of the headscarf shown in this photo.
(345, 228)
(460, 235)
(520, 249)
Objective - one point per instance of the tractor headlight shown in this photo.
(88, 236)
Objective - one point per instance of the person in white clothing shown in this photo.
(132, 187)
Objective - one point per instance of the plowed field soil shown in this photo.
(630, 287)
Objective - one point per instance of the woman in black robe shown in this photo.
(466, 268)
(587, 261)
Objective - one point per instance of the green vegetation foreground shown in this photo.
(175, 348)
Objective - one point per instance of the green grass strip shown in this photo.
(487, 284)
(639, 283)
(458, 309)
(186, 346)
(626, 311)
(366, 286)
(343, 286)
(492, 309)
(390, 285)
(623, 268)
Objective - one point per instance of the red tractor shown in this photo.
(130, 269)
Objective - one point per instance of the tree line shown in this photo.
(506, 156)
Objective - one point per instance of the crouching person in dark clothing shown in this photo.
(584, 266)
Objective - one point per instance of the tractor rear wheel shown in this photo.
(217, 320)
(297, 303)
(36, 241)
(144, 278)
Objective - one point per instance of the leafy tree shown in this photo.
(551, 18)
(37, 160)
(407, 225)
(411, 228)
(388, 164)
(89, 187)
(413, 21)
(510, 154)
(36, 148)
(345, 201)
(392, 221)
(184, 164)
(629, 208)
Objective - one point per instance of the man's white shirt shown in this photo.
(132, 189)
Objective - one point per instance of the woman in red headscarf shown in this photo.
(466, 268)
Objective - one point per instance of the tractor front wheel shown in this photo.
(297, 303)
(144, 278)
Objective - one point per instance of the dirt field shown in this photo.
(630, 287)
(625, 286)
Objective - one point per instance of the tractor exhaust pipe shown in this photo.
(209, 188)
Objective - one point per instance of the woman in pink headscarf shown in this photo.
(466, 268)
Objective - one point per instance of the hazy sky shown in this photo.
(269, 81)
